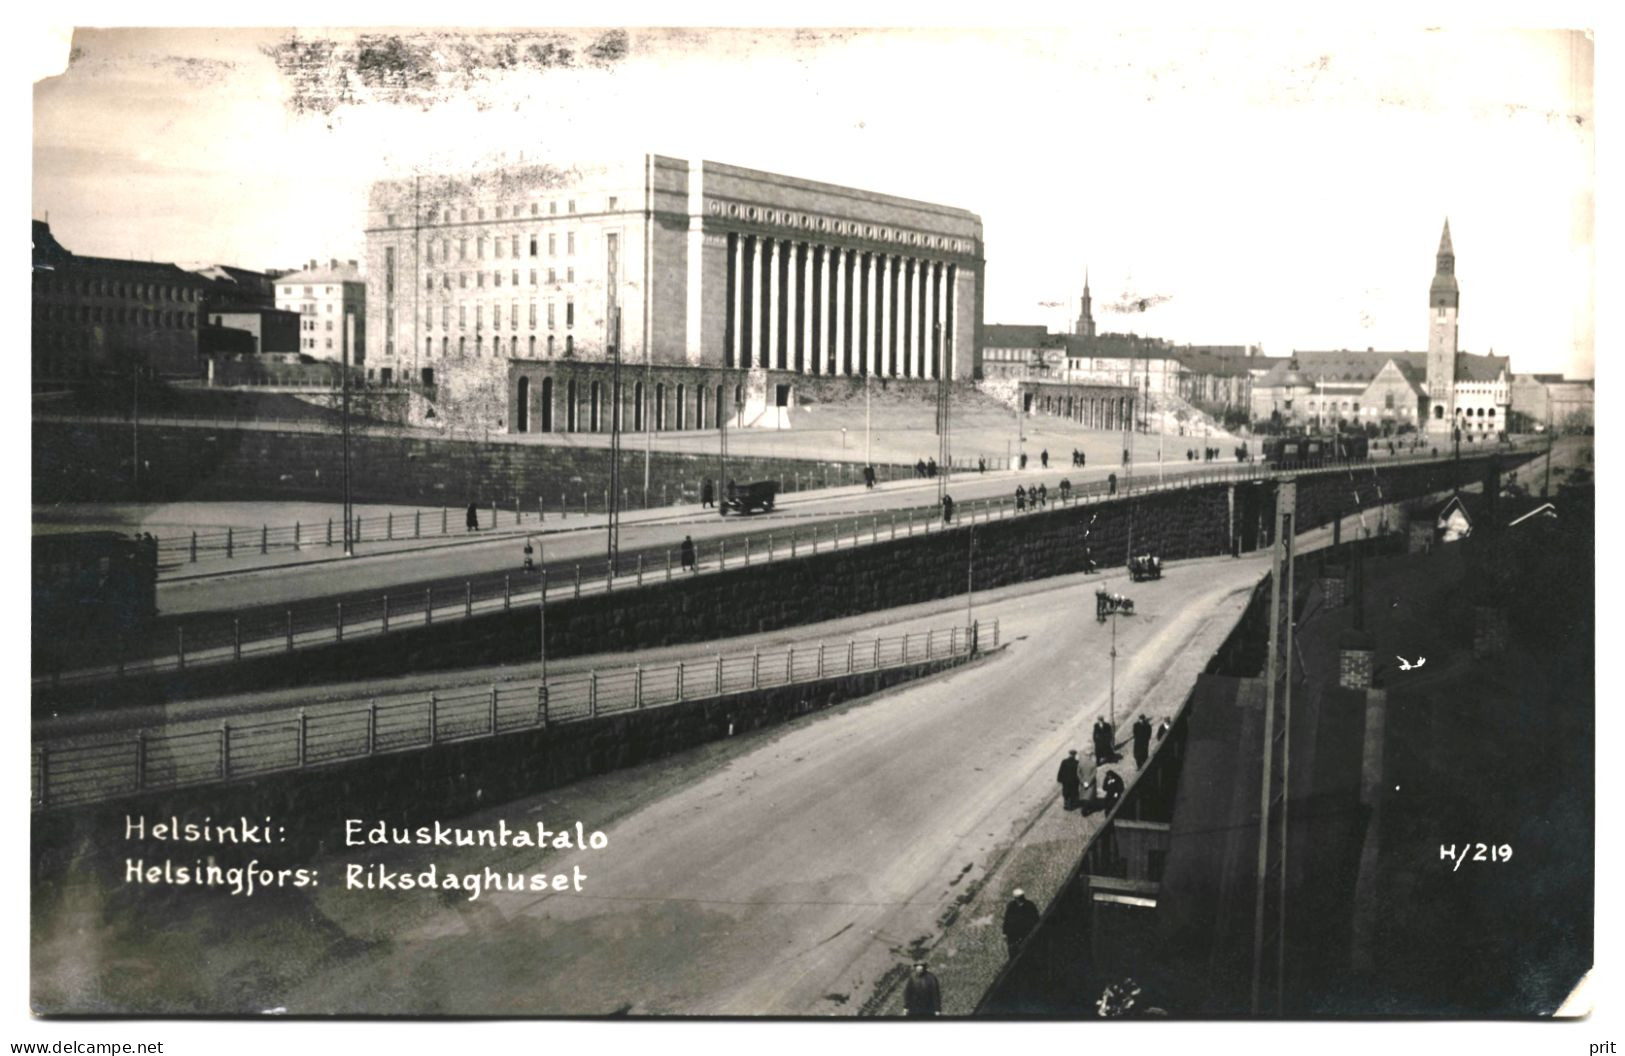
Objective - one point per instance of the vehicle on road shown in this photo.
(748, 498)
(1290, 450)
(1146, 566)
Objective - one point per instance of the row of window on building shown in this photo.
(95, 313)
(141, 291)
(499, 247)
(496, 316)
(461, 346)
(442, 280)
(500, 212)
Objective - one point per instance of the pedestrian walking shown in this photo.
(1043, 458)
(947, 509)
(919, 468)
(1142, 741)
(472, 521)
(1024, 460)
(1111, 484)
(981, 465)
(1069, 779)
(1043, 495)
(931, 468)
(708, 494)
(1020, 921)
(921, 994)
(530, 557)
(869, 477)
(1021, 498)
(689, 564)
(1108, 733)
(1083, 458)
(1066, 489)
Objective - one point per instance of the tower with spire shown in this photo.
(1444, 300)
(1086, 315)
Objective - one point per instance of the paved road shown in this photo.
(651, 533)
(783, 881)
(785, 872)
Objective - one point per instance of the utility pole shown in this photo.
(344, 386)
(943, 453)
(541, 605)
(615, 443)
(1111, 701)
(135, 426)
(970, 589)
(1269, 906)
(1545, 489)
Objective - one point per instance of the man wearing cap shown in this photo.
(1069, 779)
(1020, 920)
(921, 994)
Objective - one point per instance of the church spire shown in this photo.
(1086, 315)
(1445, 249)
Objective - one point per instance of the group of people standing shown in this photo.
(925, 468)
(1039, 496)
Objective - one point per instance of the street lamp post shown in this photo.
(344, 381)
(541, 606)
(970, 589)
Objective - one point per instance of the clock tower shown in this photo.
(1444, 299)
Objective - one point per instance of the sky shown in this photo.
(1284, 188)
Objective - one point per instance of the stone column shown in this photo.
(911, 327)
(839, 335)
(932, 337)
(871, 317)
(821, 358)
(738, 295)
(805, 302)
(950, 321)
(773, 303)
(883, 350)
(792, 256)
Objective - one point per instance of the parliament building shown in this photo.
(724, 280)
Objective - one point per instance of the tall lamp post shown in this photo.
(613, 542)
(344, 382)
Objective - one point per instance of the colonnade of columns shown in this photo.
(816, 309)
(1092, 412)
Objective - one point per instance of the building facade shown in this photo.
(324, 297)
(703, 265)
(1553, 401)
(1437, 391)
(1021, 352)
(101, 315)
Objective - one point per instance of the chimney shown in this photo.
(332, 263)
(353, 264)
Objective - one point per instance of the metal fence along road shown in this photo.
(215, 638)
(77, 774)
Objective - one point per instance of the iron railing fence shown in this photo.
(214, 638)
(75, 774)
